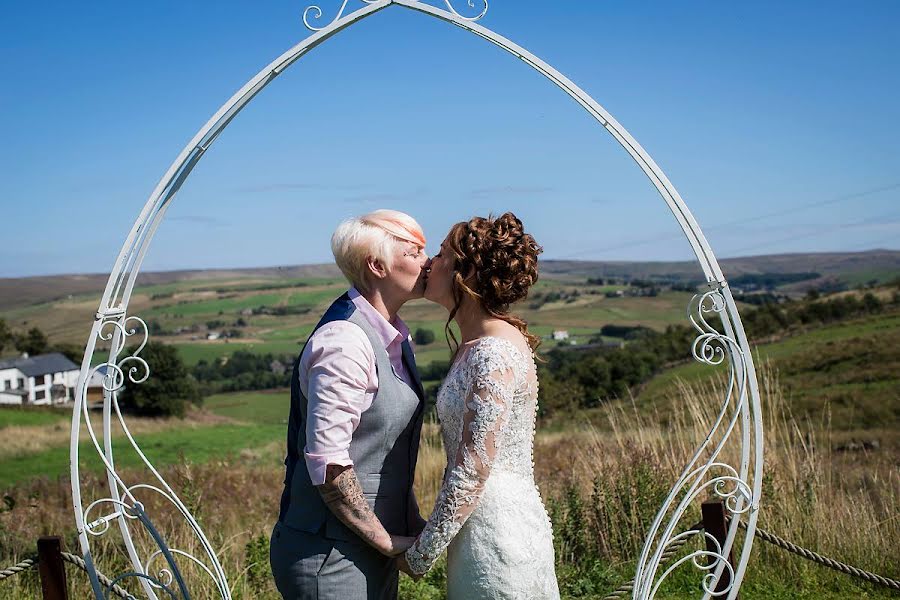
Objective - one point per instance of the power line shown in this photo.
(815, 233)
(799, 208)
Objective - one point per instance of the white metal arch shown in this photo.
(706, 473)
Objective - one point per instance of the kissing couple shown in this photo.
(349, 520)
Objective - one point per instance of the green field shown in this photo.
(195, 444)
(265, 408)
(852, 366)
(193, 352)
(33, 415)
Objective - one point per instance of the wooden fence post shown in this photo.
(52, 569)
(715, 524)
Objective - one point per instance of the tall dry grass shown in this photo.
(845, 504)
(603, 484)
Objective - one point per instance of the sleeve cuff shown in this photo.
(316, 465)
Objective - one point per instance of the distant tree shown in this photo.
(168, 389)
(559, 396)
(871, 303)
(6, 337)
(423, 336)
(34, 342)
(436, 371)
(73, 352)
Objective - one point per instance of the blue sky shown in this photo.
(778, 122)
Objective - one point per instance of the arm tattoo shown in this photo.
(344, 496)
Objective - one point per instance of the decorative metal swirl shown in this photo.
(314, 12)
(317, 14)
(705, 473)
(715, 559)
(710, 348)
(123, 506)
(471, 4)
(141, 576)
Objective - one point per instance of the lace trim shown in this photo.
(487, 410)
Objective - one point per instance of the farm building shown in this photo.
(42, 379)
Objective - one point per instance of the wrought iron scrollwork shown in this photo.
(706, 473)
(122, 504)
(710, 347)
(316, 12)
(313, 13)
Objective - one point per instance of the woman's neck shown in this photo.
(472, 321)
(383, 303)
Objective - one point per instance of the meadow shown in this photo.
(601, 485)
(184, 313)
(831, 397)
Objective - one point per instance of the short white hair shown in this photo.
(373, 235)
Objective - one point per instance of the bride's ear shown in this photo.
(376, 267)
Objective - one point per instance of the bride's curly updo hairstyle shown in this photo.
(495, 265)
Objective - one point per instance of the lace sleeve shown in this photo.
(489, 393)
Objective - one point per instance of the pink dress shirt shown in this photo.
(337, 375)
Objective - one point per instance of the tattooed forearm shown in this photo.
(344, 496)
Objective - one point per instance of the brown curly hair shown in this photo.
(495, 263)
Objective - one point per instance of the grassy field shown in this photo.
(266, 408)
(192, 352)
(188, 306)
(851, 368)
(823, 389)
(12, 416)
(198, 444)
(230, 474)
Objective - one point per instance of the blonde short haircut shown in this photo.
(373, 235)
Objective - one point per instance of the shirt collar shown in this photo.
(388, 331)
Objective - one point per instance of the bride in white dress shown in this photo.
(488, 515)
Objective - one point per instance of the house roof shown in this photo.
(41, 364)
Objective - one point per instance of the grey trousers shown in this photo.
(309, 566)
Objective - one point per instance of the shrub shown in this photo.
(423, 336)
(168, 389)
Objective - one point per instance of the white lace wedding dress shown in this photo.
(488, 510)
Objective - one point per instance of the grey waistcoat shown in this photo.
(384, 446)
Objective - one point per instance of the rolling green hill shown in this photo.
(851, 367)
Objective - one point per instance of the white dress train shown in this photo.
(489, 514)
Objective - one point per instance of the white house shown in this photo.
(560, 335)
(42, 379)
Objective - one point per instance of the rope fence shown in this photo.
(18, 568)
(823, 560)
(627, 587)
(617, 594)
(70, 558)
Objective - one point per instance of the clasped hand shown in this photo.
(399, 546)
